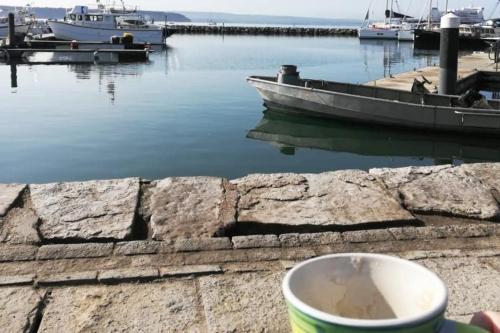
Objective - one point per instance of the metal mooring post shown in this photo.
(448, 58)
(12, 31)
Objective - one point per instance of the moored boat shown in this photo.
(101, 25)
(21, 23)
(375, 105)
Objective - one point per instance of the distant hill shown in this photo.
(58, 13)
(203, 17)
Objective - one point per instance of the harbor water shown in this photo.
(188, 111)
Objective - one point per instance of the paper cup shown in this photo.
(366, 293)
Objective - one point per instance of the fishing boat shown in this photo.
(21, 22)
(375, 105)
(84, 24)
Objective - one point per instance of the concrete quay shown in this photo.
(265, 31)
(468, 68)
(203, 254)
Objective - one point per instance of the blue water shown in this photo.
(189, 111)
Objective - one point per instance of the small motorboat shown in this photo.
(368, 104)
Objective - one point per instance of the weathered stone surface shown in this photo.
(156, 307)
(20, 227)
(195, 207)
(335, 198)
(17, 279)
(255, 241)
(487, 173)
(244, 303)
(102, 209)
(18, 309)
(173, 271)
(202, 244)
(441, 190)
(126, 274)
(8, 196)
(363, 236)
(68, 278)
(133, 248)
(67, 251)
(474, 286)
(17, 252)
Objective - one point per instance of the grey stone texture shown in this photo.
(126, 274)
(20, 227)
(474, 285)
(66, 251)
(334, 198)
(172, 271)
(202, 244)
(19, 308)
(103, 209)
(244, 303)
(443, 190)
(255, 241)
(194, 207)
(8, 196)
(17, 252)
(68, 278)
(17, 280)
(155, 307)
(363, 236)
(136, 248)
(487, 173)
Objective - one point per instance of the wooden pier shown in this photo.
(468, 67)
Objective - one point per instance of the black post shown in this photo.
(13, 75)
(448, 61)
(12, 31)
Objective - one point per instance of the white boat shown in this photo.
(100, 25)
(389, 29)
(21, 23)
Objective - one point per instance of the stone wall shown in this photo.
(266, 31)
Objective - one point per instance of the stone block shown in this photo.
(195, 207)
(365, 236)
(255, 241)
(17, 252)
(244, 303)
(335, 198)
(157, 307)
(202, 244)
(19, 308)
(15, 280)
(172, 271)
(20, 227)
(103, 209)
(68, 278)
(68, 251)
(128, 274)
(442, 190)
(133, 248)
(9, 193)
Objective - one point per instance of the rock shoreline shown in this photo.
(264, 31)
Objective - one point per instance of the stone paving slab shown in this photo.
(474, 285)
(8, 195)
(152, 307)
(244, 303)
(20, 227)
(103, 209)
(19, 308)
(195, 207)
(441, 190)
(336, 198)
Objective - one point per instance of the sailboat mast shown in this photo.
(386, 9)
(430, 14)
(392, 8)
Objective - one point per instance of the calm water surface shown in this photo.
(190, 112)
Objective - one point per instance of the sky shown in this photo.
(309, 8)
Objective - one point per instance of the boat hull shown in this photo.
(345, 106)
(378, 34)
(431, 39)
(68, 31)
(21, 30)
(406, 36)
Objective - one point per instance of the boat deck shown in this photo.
(468, 66)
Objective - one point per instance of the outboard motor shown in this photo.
(288, 75)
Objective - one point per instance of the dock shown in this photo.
(468, 67)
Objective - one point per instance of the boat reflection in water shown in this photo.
(290, 131)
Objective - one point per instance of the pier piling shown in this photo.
(448, 62)
(12, 31)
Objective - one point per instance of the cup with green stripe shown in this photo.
(367, 293)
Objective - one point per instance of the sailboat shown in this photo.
(389, 29)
